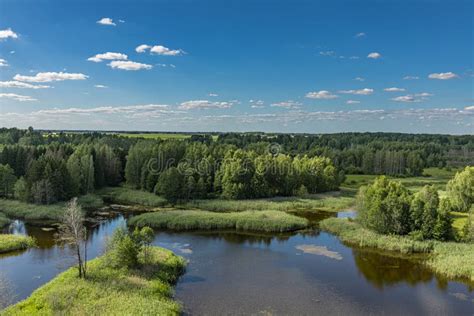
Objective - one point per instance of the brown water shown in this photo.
(294, 274)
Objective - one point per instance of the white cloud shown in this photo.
(142, 48)
(18, 84)
(359, 79)
(159, 50)
(411, 78)
(413, 98)
(443, 75)
(323, 94)
(17, 97)
(290, 104)
(205, 104)
(100, 86)
(3, 63)
(327, 53)
(257, 104)
(130, 109)
(394, 89)
(361, 34)
(107, 56)
(162, 50)
(106, 21)
(365, 91)
(128, 65)
(213, 94)
(121, 21)
(374, 55)
(352, 102)
(51, 76)
(469, 108)
(7, 33)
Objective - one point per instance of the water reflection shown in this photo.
(266, 271)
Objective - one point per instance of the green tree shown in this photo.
(7, 181)
(22, 192)
(424, 211)
(461, 189)
(170, 185)
(443, 229)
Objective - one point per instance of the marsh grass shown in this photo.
(453, 260)
(353, 233)
(124, 195)
(109, 291)
(44, 213)
(15, 242)
(253, 221)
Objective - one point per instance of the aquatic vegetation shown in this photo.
(124, 195)
(110, 291)
(15, 242)
(319, 250)
(454, 260)
(261, 221)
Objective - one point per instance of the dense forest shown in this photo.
(45, 167)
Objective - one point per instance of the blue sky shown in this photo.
(283, 66)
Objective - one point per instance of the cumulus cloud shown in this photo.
(19, 84)
(213, 94)
(3, 63)
(129, 109)
(106, 21)
(205, 104)
(394, 89)
(443, 75)
(361, 34)
(359, 79)
(411, 78)
(159, 50)
(100, 86)
(16, 97)
(352, 102)
(107, 56)
(128, 65)
(469, 108)
(323, 94)
(290, 104)
(51, 76)
(142, 48)
(7, 33)
(374, 55)
(257, 104)
(365, 91)
(327, 53)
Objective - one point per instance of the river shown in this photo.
(235, 273)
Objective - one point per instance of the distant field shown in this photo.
(155, 135)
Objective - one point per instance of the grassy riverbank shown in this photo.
(254, 221)
(454, 260)
(15, 242)
(44, 213)
(124, 195)
(109, 291)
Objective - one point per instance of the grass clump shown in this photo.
(257, 221)
(110, 290)
(15, 242)
(353, 233)
(454, 260)
(123, 195)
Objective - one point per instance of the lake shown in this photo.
(303, 273)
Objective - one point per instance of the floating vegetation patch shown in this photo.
(320, 251)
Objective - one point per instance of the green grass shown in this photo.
(329, 202)
(109, 291)
(124, 195)
(44, 213)
(453, 260)
(253, 221)
(4, 221)
(15, 242)
(354, 234)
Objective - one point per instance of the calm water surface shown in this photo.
(297, 274)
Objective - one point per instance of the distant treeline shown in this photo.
(48, 167)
